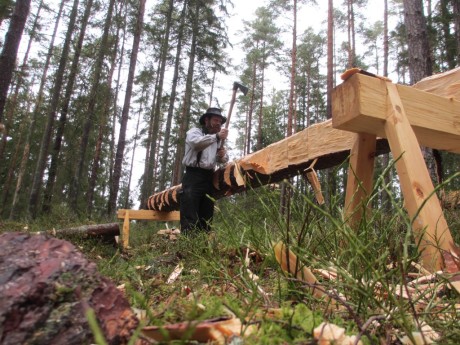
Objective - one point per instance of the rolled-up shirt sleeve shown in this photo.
(198, 141)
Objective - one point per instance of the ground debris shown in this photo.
(218, 331)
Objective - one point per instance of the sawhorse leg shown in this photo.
(421, 202)
(360, 177)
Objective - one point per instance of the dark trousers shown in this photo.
(196, 206)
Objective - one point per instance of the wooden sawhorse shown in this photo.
(407, 117)
(128, 215)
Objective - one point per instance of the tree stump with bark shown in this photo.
(46, 289)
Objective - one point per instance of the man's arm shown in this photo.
(198, 141)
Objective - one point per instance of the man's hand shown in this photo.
(221, 153)
(223, 134)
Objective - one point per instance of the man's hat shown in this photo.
(212, 112)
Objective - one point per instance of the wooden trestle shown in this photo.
(408, 118)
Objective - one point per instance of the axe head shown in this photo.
(243, 88)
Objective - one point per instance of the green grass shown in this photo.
(377, 256)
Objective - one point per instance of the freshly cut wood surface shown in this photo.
(445, 84)
(315, 141)
(359, 105)
(320, 142)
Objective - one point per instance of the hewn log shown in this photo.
(94, 230)
(330, 146)
(286, 158)
(47, 288)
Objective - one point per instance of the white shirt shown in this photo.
(197, 141)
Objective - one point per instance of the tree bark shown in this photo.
(52, 172)
(125, 112)
(75, 185)
(19, 82)
(32, 121)
(456, 13)
(93, 230)
(185, 116)
(56, 93)
(151, 176)
(49, 289)
(420, 63)
(164, 158)
(10, 49)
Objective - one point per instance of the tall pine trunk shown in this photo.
(10, 49)
(32, 121)
(19, 82)
(108, 101)
(75, 186)
(185, 116)
(125, 112)
(164, 158)
(456, 13)
(420, 62)
(56, 93)
(52, 172)
(150, 179)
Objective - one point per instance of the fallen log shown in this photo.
(93, 230)
(48, 287)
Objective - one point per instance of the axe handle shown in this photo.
(229, 114)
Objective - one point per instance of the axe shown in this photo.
(244, 90)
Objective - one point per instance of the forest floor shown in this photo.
(231, 287)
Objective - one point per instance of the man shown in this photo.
(202, 153)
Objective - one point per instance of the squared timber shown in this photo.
(360, 105)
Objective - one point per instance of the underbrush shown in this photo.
(366, 274)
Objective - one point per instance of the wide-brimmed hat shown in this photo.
(212, 112)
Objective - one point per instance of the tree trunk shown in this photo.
(158, 98)
(185, 118)
(136, 135)
(450, 47)
(164, 158)
(261, 106)
(330, 86)
(125, 112)
(91, 111)
(10, 49)
(56, 93)
(117, 89)
(108, 102)
(52, 172)
(20, 82)
(456, 13)
(292, 97)
(35, 113)
(385, 197)
(251, 105)
(420, 63)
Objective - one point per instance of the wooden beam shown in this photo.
(421, 202)
(318, 140)
(149, 215)
(360, 177)
(446, 84)
(360, 105)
